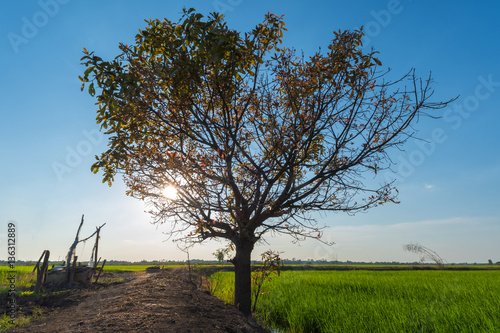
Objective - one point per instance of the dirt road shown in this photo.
(157, 302)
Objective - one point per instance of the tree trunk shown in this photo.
(242, 277)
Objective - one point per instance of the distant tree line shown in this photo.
(292, 261)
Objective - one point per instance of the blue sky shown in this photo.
(448, 185)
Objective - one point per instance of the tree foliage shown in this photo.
(271, 264)
(253, 135)
(220, 254)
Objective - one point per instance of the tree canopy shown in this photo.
(253, 135)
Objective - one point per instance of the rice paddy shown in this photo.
(358, 300)
(377, 301)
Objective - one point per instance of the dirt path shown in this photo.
(158, 302)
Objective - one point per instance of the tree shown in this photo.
(252, 135)
(220, 254)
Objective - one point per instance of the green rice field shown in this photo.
(25, 278)
(359, 300)
(377, 301)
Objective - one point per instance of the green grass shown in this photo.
(23, 274)
(356, 301)
(369, 301)
(24, 278)
(5, 322)
(118, 268)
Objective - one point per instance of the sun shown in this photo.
(170, 192)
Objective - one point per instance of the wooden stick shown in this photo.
(100, 270)
(45, 266)
(71, 250)
(83, 240)
(38, 263)
(96, 246)
(40, 275)
(72, 271)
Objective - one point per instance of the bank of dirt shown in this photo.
(141, 302)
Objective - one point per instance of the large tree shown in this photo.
(252, 135)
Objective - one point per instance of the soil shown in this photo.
(140, 302)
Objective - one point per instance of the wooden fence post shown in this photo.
(72, 271)
(96, 246)
(41, 273)
(100, 271)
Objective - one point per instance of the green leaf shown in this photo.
(88, 70)
(91, 89)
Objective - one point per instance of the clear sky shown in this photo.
(449, 185)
